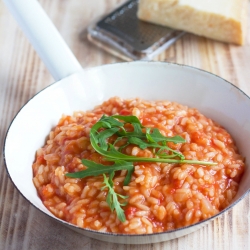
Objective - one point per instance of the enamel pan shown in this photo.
(78, 89)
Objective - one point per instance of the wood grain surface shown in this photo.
(22, 74)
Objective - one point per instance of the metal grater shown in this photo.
(122, 34)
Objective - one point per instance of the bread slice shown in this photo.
(223, 20)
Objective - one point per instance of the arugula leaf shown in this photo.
(156, 136)
(128, 119)
(112, 197)
(139, 142)
(142, 144)
(111, 121)
(104, 135)
(95, 169)
(104, 122)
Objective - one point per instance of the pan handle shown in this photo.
(44, 37)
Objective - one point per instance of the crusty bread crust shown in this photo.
(227, 28)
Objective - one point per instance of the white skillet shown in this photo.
(78, 89)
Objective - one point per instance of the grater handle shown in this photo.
(44, 37)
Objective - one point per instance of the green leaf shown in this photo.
(95, 169)
(112, 197)
(104, 135)
(111, 121)
(136, 133)
(139, 142)
(135, 122)
(142, 144)
(156, 136)
(128, 119)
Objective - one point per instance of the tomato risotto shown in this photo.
(159, 196)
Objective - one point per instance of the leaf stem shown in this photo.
(144, 159)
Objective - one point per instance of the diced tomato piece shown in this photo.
(130, 211)
(125, 112)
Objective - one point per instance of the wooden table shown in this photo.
(22, 74)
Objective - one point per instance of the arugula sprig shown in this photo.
(95, 169)
(112, 197)
(116, 126)
(140, 136)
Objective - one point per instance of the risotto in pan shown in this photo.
(137, 167)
